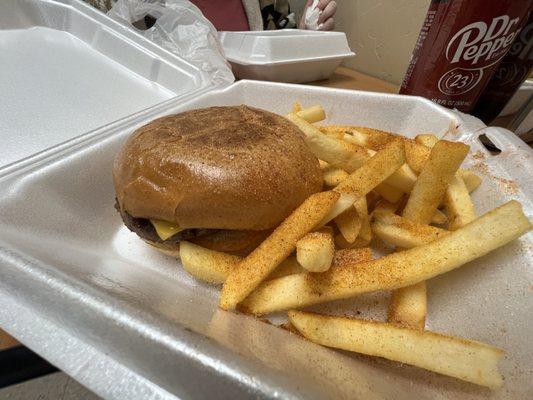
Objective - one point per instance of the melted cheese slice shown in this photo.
(165, 229)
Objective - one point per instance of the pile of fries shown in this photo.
(377, 186)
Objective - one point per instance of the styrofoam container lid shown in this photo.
(283, 46)
(68, 70)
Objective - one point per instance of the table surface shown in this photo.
(344, 78)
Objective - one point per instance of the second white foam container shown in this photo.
(289, 55)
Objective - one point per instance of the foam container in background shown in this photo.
(286, 55)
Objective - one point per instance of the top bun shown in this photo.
(216, 168)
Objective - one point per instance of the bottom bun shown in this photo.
(239, 243)
(165, 248)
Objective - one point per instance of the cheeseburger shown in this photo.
(221, 177)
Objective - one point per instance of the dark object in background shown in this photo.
(510, 74)
(460, 46)
(19, 364)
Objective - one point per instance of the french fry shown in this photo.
(426, 139)
(402, 232)
(349, 224)
(342, 243)
(324, 165)
(385, 207)
(289, 266)
(404, 179)
(315, 250)
(312, 114)
(363, 180)
(426, 196)
(374, 139)
(365, 233)
(353, 135)
(471, 180)
(416, 156)
(332, 131)
(214, 266)
(464, 359)
(253, 269)
(488, 232)
(350, 257)
(439, 218)
(355, 138)
(346, 156)
(372, 199)
(333, 176)
(375, 170)
(296, 107)
(207, 265)
(459, 204)
(408, 305)
(334, 151)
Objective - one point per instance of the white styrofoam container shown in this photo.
(128, 322)
(67, 70)
(287, 55)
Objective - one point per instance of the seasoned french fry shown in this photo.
(362, 181)
(350, 257)
(289, 266)
(439, 218)
(349, 224)
(333, 176)
(374, 139)
(402, 232)
(426, 196)
(312, 114)
(315, 250)
(426, 139)
(214, 266)
(346, 156)
(459, 204)
(332, 131)
(207, 265)
(408, 306)
(342, 243)
(296, 107)
(365, 233)
(416, 155)
(460, 358)
(376, 169)
(388, 192)
(385, 207)
(336, 152)
(404, 179)
(355, 138)
(490, 231)
(471, 180)
(372, 199)
(253, 269)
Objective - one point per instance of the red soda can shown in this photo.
(459, 47)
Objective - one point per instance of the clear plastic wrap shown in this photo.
(181, 29)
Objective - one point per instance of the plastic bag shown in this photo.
(181, 29)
